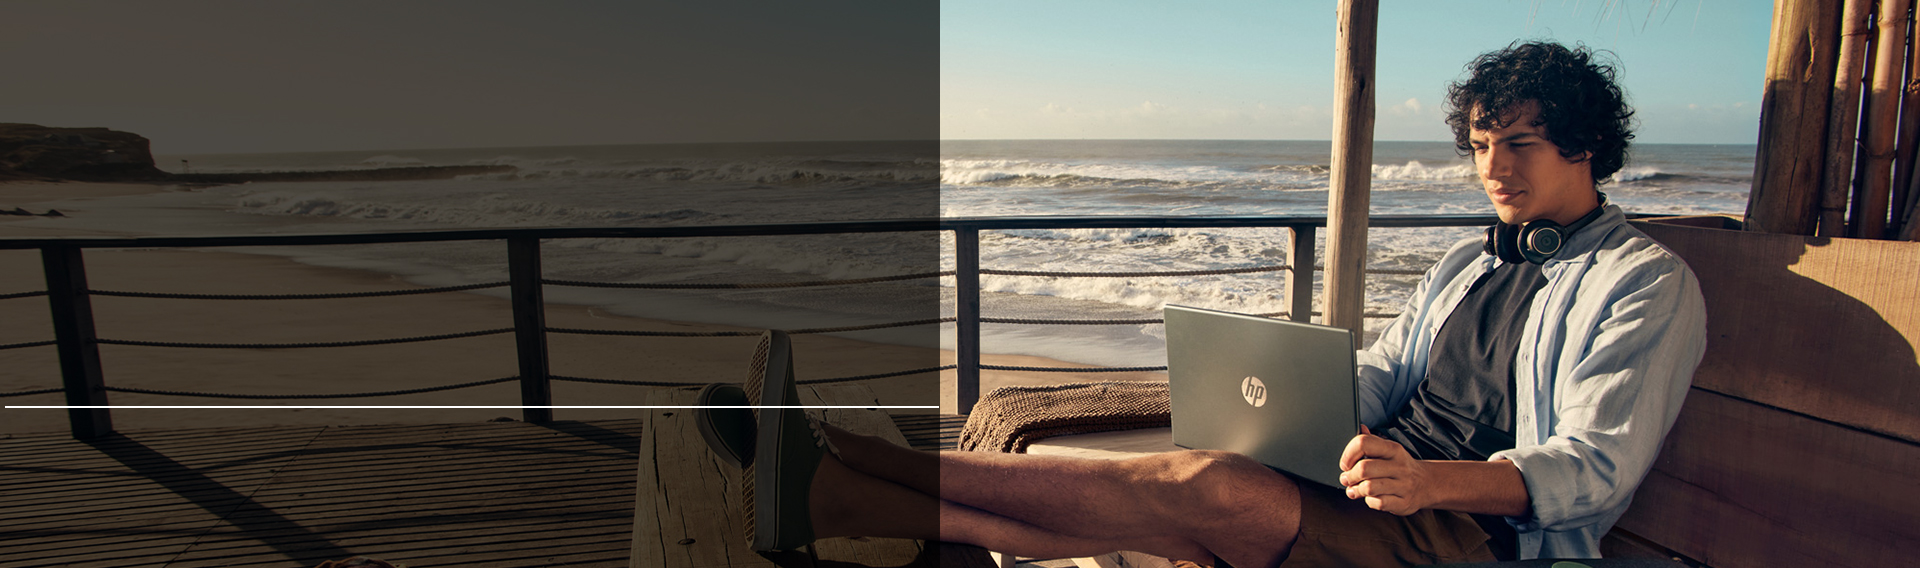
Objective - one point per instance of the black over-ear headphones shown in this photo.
(1537, 240)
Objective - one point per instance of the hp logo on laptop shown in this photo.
(1254, 391)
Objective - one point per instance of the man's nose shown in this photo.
(1496, 163)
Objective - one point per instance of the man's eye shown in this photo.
(1520, 144)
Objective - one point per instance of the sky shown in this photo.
(1096, 69)
(219, 76)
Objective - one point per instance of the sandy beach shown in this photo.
(372, 368)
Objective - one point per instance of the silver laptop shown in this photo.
(1278, 391)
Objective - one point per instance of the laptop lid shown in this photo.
(1278, 391)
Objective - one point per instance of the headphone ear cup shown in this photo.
(1539, 240)
(1506, 243)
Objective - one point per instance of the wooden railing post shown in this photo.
(966, 307)
(529, 327)
(1299, 291)
(1351, 179)
(79, 355)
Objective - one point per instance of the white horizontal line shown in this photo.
(468, 407)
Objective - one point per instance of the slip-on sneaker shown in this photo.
(786, 455)
(729, 432)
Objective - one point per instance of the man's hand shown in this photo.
(1382, 472)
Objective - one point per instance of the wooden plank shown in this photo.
(1793, 117)
(1741, 485)
(152, 494)
(684, 495)
(864, 551)
(930, 432)
(559, 495)
(1351, 176)
(1824, 327)
(649, 545)
(323, 508)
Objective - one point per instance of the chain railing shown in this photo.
(82, 381)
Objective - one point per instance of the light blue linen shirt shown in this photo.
(1607, 356)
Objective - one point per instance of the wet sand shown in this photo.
(374, 368)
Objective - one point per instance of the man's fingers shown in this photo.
(1391, 504)
(1365, 446)
(1376, 488)
(1352, 453)
(1365, 470)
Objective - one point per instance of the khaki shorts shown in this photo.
(1337, 531)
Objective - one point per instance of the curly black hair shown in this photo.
(1580, 106)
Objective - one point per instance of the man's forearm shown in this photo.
(1485, 487)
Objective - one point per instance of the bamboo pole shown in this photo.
(1909, 137)
(1874, 172)
(1913, 123)
(1905, 193)
(1844, 117)
(1793, 118)
(1348, 196)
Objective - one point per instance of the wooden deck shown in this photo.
(469, 495)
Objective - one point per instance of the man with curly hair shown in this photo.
(1512, 408)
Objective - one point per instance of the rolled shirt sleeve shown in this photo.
(1619, 381)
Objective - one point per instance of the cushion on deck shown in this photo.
(1011, 418)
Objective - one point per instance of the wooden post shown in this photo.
(1793, 117)
(1348, 197)
(1873, 173)
(529, 327)
(66, 274)
(966, 308)
(1299, 291)
(1844, 118)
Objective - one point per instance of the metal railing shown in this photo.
(83, 383)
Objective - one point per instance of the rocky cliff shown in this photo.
(43, 153)
(31, 151)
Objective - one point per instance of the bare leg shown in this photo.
(846, 502)
(1229, 504)
(883, 459)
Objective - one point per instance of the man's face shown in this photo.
(1524, 174)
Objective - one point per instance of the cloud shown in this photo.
(1053, 108)
(1409, 107)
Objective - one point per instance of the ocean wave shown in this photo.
(486, 211)
(1414, 170)
(1289, 176)
(1307, 169)
(768, 174)
(388, 161)
(1637, 174)
(1641, 175)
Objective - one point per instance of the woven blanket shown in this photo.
(1011, 418)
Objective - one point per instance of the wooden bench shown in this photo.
(1797, 444)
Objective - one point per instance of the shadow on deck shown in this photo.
(469, 495)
